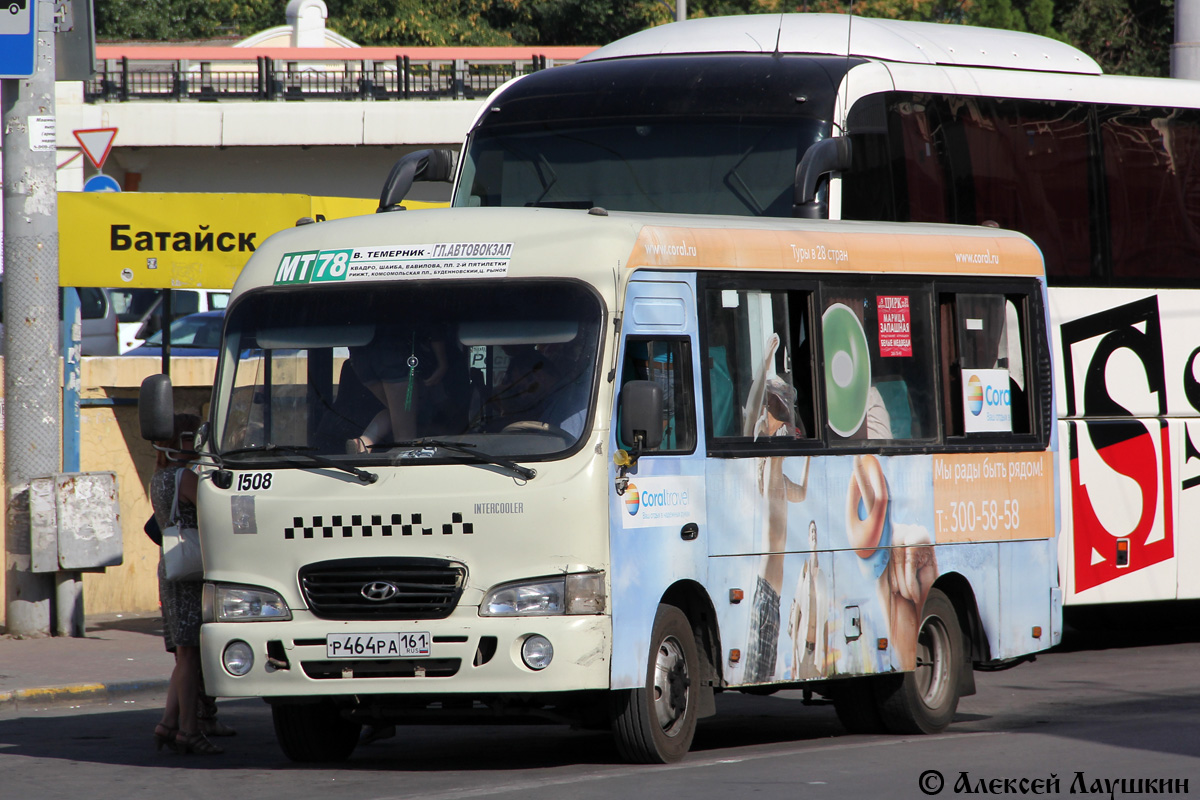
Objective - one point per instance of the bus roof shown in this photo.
(842, 34)
(604, 248)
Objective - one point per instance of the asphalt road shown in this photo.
(1102, 708)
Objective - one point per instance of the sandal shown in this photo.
(196, 743)
(211, 726)
(356, 446)
(164, 736)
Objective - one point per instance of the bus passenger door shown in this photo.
(657, 518)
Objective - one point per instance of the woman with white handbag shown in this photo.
(173, 495)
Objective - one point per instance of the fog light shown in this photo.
(238, 658)
(537, 652)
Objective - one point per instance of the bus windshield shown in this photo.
(718, 134)
(378, 373)
(741, 167)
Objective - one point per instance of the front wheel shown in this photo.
(924, 700)
(656, 724)
(314, 732)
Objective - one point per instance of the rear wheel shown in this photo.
(314, 732)
(656, 724)
(924, 700)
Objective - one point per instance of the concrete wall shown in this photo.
(110, 441)
(335, 149)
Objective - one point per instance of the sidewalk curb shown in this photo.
(78, 694)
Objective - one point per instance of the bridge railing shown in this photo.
(207, 74)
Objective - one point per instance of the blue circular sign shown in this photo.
(101, 183)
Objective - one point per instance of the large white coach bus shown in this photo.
(854, 118)
(596, 467)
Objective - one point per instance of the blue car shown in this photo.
(193, 335)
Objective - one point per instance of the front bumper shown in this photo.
(470, 655)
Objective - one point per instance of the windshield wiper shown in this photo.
(467, 450)
(363, 475)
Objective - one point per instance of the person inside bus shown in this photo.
(523, 389)
(354, 407)
(567, 406)
(398, 367)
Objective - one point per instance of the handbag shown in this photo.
(153, 531)
(182, 560)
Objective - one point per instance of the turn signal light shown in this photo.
(1122, 552)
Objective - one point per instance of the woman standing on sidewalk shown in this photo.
(179, 728)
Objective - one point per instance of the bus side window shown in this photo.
(1015, 344)
(878, 345)
(758, 353)
(667, 362)
(985, 333)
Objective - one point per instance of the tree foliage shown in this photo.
(1125, 36)
(181, 20)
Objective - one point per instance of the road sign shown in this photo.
(96, 142)
(175, 240)
(101, 183)
(18, 32)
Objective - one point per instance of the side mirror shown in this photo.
(824, 157)
(422, 165)
(642, 414)
(156, 409)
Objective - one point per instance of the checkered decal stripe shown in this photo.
(359, 525)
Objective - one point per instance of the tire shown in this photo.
(924, 700)
(314, 732)
(855, 701)
(656, 724)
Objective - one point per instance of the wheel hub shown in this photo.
(933, 662)
(671, 684)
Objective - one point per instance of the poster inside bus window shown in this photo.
(987, 400)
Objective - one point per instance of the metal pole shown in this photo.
(168, 316)
(68, 591)
(680, 10)
(32, 418)
(1185, 54)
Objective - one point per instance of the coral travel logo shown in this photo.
(986, 400)
(666, 500)
(633, 500)
(974, 395)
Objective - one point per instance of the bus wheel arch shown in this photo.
(976, 648)
(691, 598)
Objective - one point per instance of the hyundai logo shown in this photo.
(379, 591)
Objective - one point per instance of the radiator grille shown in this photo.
(383, 588)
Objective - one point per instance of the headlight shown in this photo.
(223, 603)
(581, 593)
(238, 658)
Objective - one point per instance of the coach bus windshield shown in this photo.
(375, 373)
(716, 135)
